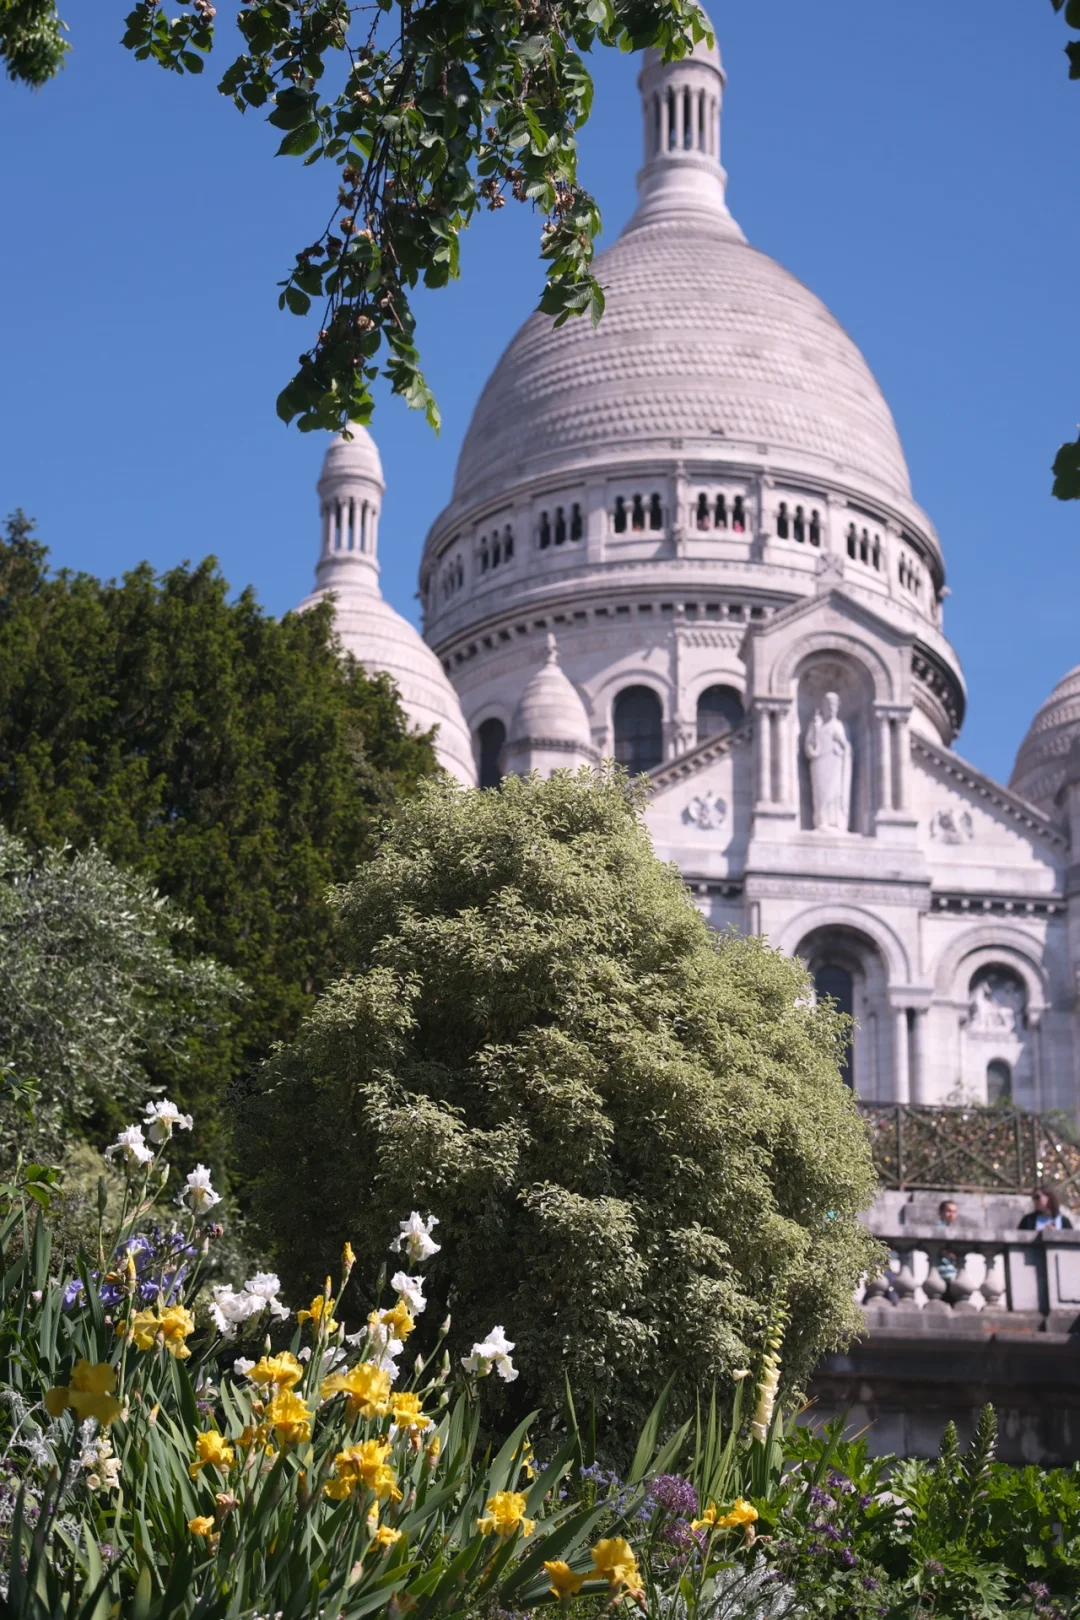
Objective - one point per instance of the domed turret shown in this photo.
(550, 729)
(350, 498)
(1042, 761)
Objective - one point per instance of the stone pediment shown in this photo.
(984, 794)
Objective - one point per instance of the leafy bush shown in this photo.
(93, 989)
(635, 1132)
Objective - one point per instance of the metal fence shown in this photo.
(971, 1149)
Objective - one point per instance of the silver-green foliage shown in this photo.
(634, 1131)
(90, 983)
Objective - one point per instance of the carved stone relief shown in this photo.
(997, 1005)
(950, 826)
(706, 811)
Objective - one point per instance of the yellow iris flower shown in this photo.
(564, 1582)
(212, 1450)
(89, 1394)
(505, 1514)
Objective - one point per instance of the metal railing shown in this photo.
(1034, 1276)
(971, 1149)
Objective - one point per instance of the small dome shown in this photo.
(357, 457)
(382, 641)
(1041, 767)
(551, 710)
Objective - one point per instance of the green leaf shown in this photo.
(297, 301)
(298, 140)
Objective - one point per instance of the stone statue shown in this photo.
(997, 1006)
(828, 748)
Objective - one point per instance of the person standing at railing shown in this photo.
(947, 1263)
(1047, 1212)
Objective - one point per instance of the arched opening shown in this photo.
(719, 708)
(491, 735)
(998, 1082)
(738, 515)
(846, 967)
(782, 522)
(639, 729)
(835, 983)
(799, 526)
(996, 1045)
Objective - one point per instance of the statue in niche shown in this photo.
(997, 1006)
(828, 748)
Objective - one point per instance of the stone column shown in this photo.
(782, 745)
(917, 1056)
(763, 730)
(885, 756)
(903, 765)
(901, 1071)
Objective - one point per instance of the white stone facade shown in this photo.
(705, 501)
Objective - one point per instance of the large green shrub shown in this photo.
(634, 1132)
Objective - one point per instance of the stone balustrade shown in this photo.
(1021, 1282)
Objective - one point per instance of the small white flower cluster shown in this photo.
(415, 1238)
(230, 1307)
(162, 1118)
(131, 1146)
(492, 1355)
(102, 1465)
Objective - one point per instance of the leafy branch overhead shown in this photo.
(428, 112)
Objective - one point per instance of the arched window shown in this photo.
(719, 708)
(620, 515)
(738, 515)
(491, 735)
(782, 521)
(637, 520)
(834, 983)
(639, 729)
(576, 526)
(703, 511)
(496, 553)
(815, 528)
(998, 1081)
(799, 526)
(545, 531)
(560, 526)
(852, 540)
(508, 544)
(656, 512)
(483, 559)
(720, 518)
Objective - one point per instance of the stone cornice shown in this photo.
(700, 756)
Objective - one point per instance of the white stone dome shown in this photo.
(381, 640)
(350, 494)
(704, 340)
(551, 710)
(1041, 761)
(356, 457)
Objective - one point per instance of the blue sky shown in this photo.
(913, 164)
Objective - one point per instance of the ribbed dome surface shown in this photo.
(1039, 772)
(704, 339)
